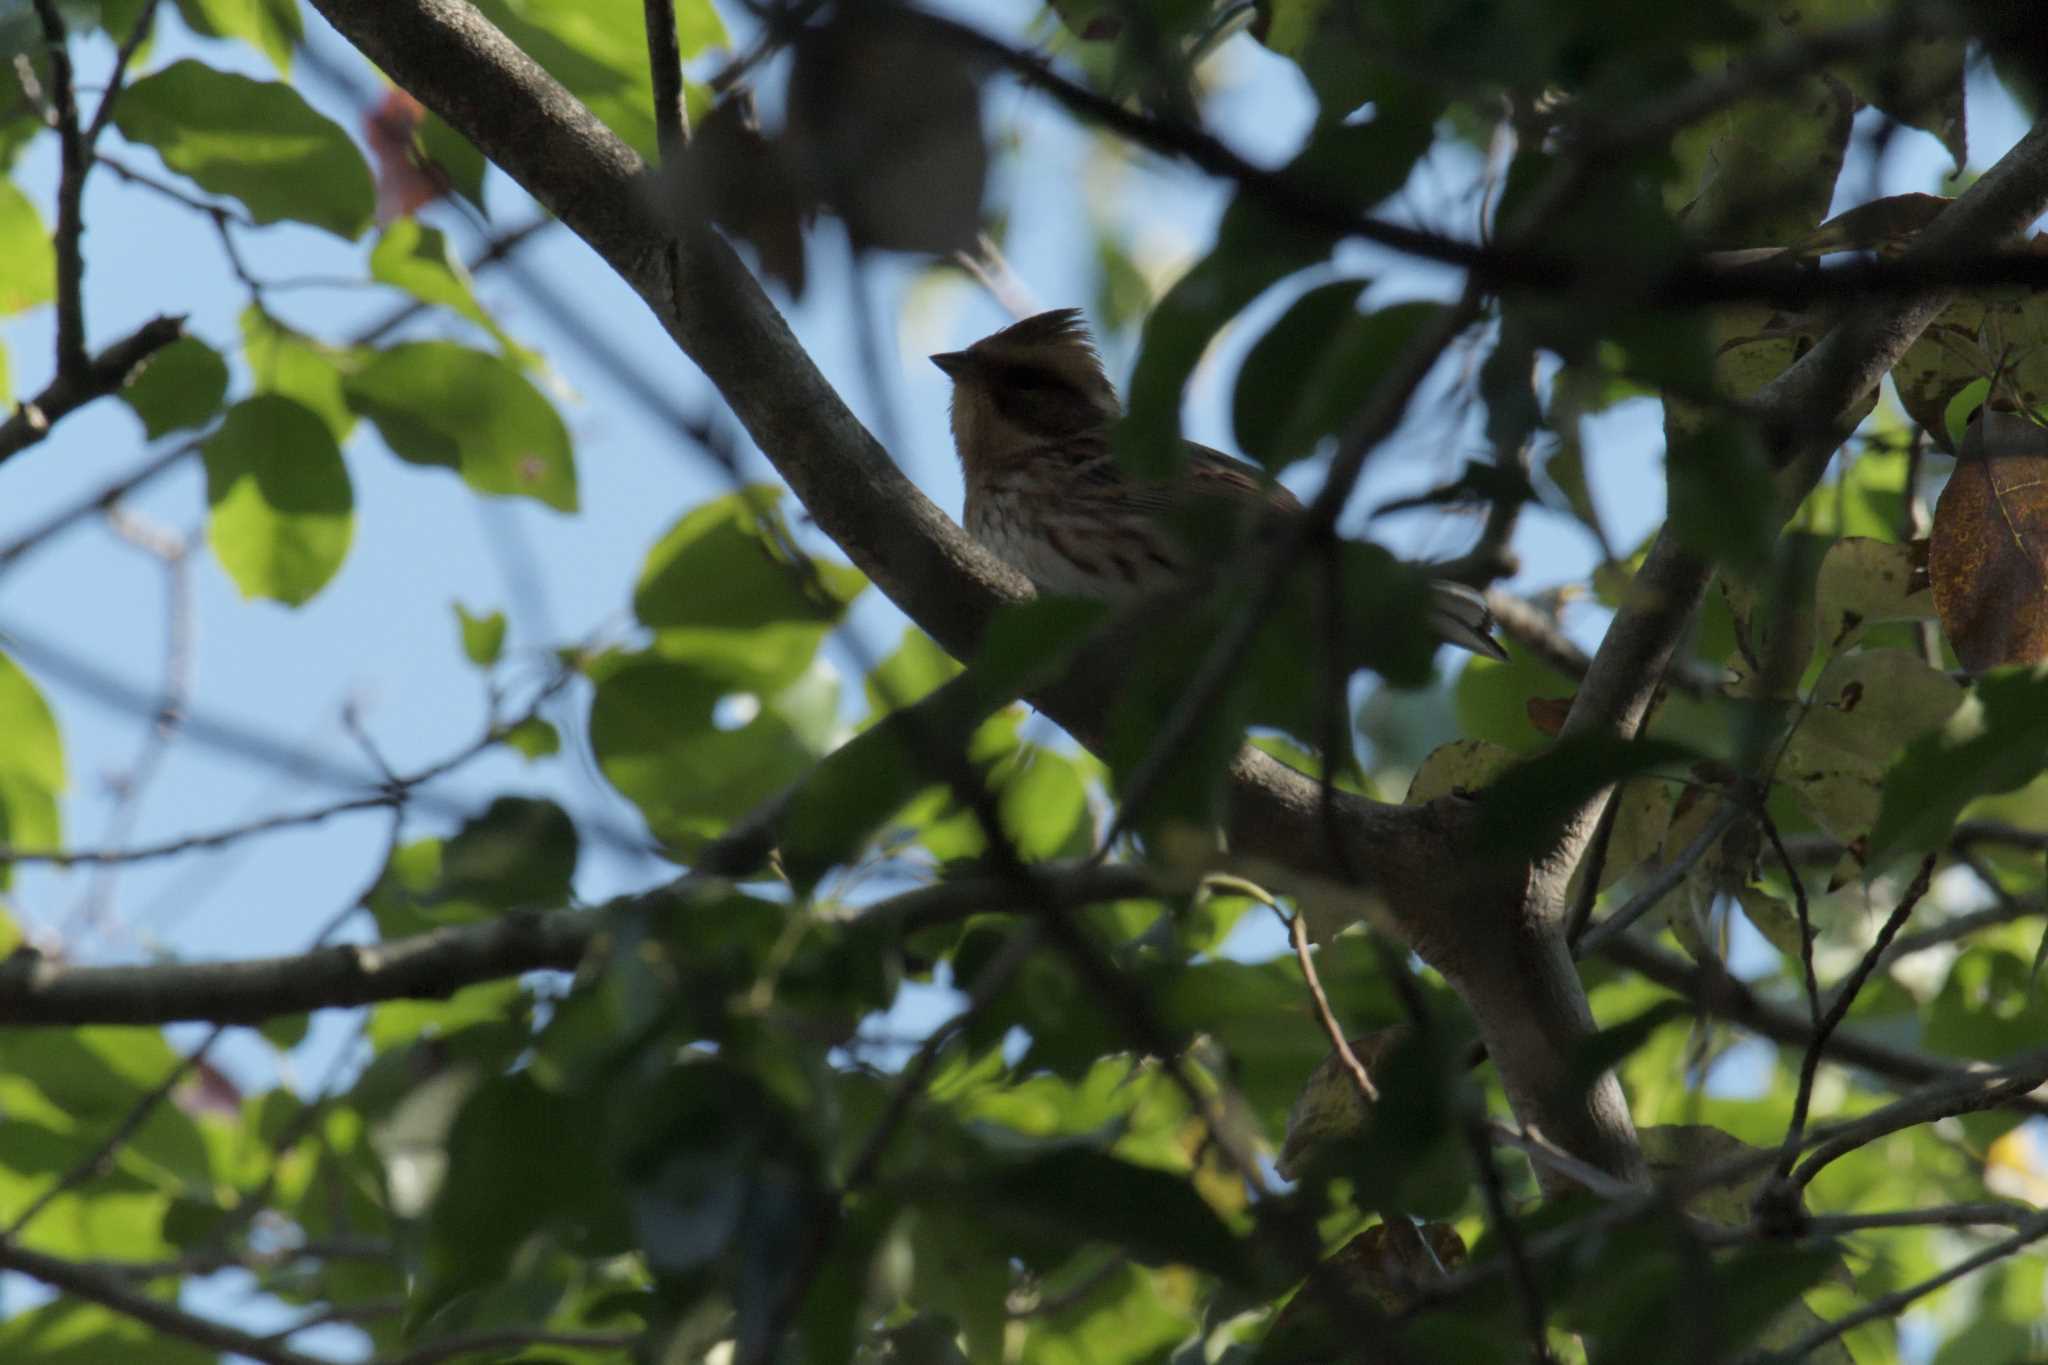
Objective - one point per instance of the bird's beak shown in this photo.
(954, 363)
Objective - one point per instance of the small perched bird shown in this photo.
(1032, 416)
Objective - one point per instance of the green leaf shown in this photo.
(281, 509)
(272, 27)
(28, 263)
(1722, 496)
(417, 259)
(1082, 1194)
(729, 565)
(867, 780)
(31, 765)
(1290, 362)
(521, 852)
(653, 728)
(534, 738)
(290, 363)
(256, 141)
(1961, 408)
(1492, 698)
(1522, 808)
(1862, 710)
(71, 1331)
(483, 637)
(180, 386)
(598, 50)
(1994, 741)
(511, 1135)
(1128, 1316)
(437, 403)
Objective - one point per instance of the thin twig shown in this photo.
(1297, 933)
(1812, 981)
(77, 1282)
(1845, 996)
(1661, 885)
(665, 66)
(1528, 1291)
(1890, 1305)
(145, 21)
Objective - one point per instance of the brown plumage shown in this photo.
(1032, 416)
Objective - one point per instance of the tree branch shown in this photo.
(78, 1282)
(75, 386)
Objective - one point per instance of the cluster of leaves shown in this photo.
(710, 1137)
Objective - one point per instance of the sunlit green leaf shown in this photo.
(437, 403)
(483, 637)
(287, 362)
(271, 26)
(281, 508)
(256, 141)
(416, 258)
(28, 265)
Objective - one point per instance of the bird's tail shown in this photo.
(1459, 616)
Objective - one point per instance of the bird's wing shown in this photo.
(1459, 616)
(1213, 473)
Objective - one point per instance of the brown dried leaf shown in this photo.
(1988, 553)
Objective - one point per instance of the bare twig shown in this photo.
(1838, 1009)
(1528, 1291)
(1297, 933)
(1661, 885)
(98, 502)
(145, 21)
(1969, 1091)
(665, 65)
(1889, 1305)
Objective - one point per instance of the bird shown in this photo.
(1033, 417)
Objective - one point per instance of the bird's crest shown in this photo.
(1059, 327)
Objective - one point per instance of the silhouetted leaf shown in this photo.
(887, 122)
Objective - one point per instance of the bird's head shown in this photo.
(1035, 383)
